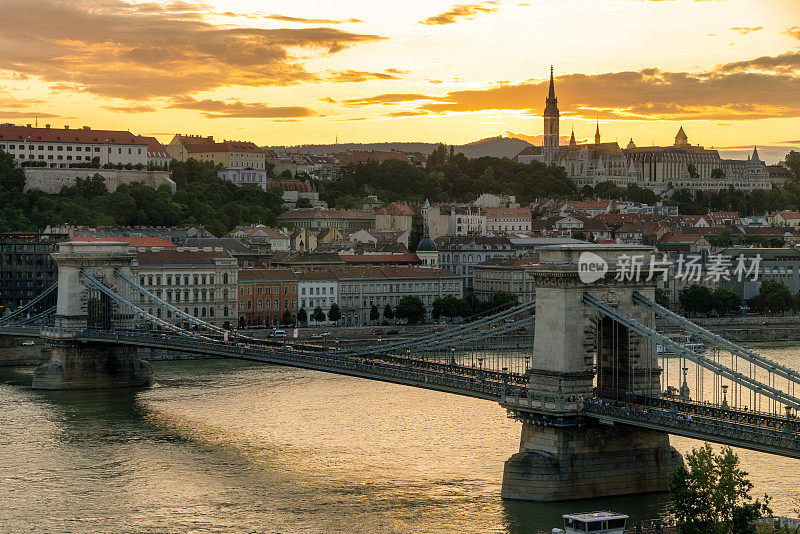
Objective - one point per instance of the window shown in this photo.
(225, 278)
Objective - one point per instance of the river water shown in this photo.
(227, 446)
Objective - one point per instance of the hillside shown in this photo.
(491, 146)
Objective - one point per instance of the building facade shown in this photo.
(61, 147)
(460, 255)
(362, 287)
(265, 295)
(507, 220)
(236, 154)
(26, 268)
(317, 289)
(201, 283)
(512, 275)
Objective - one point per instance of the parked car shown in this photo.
(378, 332)
(278, 333)
(316, 336)
(28, 343)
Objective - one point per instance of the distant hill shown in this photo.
(499, 147)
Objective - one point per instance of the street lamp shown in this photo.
(480, 363)
(725, 397)
(452, 355)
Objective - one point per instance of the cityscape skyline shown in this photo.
(359, 72)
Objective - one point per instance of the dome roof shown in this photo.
(426, 245)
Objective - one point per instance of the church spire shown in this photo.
(755, 155)
(597, 133)
(552, 92)
(550, 141)
(572, 138)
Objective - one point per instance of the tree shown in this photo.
(712, 495)
(692, 170)
(725, 301)
(302, 315)
(662, 299)
(773, 297)
(334, 314)
(12, 178)
(724, 238)
(717, 174)
(287, 317)
(793, 162)
(504, 299)
(388, 312)
(696, 299)
(411, 309)
(318, 315)
(303, 203)
(374, 313)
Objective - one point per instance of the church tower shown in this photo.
(551, 116)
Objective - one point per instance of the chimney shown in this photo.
(87, 128)
(66, 126)
(46, 126)
(28, 125)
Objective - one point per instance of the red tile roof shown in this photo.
(380, 258)
(267, 275)
(65, 135)
(395, 208)
(132, 241)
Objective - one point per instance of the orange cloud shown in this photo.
(728, 93)
(285, 18)
(463, 11)
(119, 49)
(362, 76)
(219, 109)
(744, 30)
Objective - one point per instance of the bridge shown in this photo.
(588, 369)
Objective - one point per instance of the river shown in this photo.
(228, 446)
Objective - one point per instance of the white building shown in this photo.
(461, 254)
(201, 283)
(61, 147)
(245, 176)
(507, 220)
(317, 289)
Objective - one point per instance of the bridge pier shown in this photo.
(75, 365)
(84, 366)
(579, 354)
(588, 461)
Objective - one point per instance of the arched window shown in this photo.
(224, 311)
(195, 312)
(225, 278)
(211, 311)
(203, 312)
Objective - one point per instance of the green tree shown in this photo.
(692, 170)
(793, 162)
(388, 312)
(662, 298)
(724, 238)
(334, 314)
(725, 301)
(374, 313)
(504, 299)
(318, 315)
(12, 178)
(303, 203)
(717, 174)
(287, 318)
(711, 494)
(696, 299)
(302, 316)
(410, 308)
(773, 297)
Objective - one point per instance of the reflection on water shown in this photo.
(221, 446)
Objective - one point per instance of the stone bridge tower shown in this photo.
(81, 365)
(579, 353)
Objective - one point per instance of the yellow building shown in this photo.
(229, 154)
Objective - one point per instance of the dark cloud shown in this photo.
(788, 62)
(744, 30)
(648, 94)
(219, 109)
(285, 18)
(462, 11)
(362, 76)
(118, 49)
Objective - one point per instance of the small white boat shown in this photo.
(686, 342)
(603, 522)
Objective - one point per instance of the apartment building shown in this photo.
(240, 154)
(202, 283)
(61, 147)
(265, 295)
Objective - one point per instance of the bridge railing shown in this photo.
(698, 426)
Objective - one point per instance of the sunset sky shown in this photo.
(285, 73)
